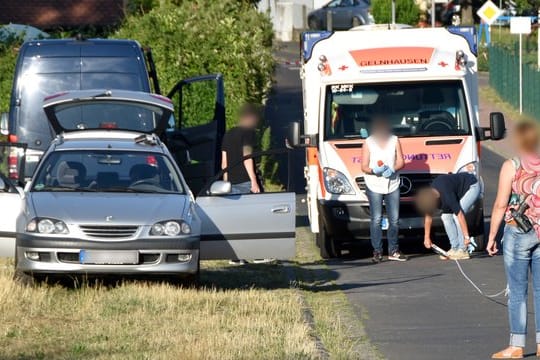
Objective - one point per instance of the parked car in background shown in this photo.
(345, 15)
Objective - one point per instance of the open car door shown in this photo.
(11, 203)
(195, 139)
(247, 226)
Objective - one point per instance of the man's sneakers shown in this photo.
(377, 257)
(460, 254)
(397, 256)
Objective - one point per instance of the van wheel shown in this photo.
(357, 22)
(481, 242)
(328, 246)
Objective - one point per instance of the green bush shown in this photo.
(407, 12)
(8, 56)
(206, 36)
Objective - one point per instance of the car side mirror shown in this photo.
(220, 188)
(4, 130)
(497, 126)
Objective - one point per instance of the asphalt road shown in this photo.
(421, 309)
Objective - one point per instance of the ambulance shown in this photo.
(424, 81)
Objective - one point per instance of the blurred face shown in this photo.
(527, 138)
(249, 120)
(381, 128)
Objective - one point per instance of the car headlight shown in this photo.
(170, 228)
(336, 183)
(47, 226)
(472, 167)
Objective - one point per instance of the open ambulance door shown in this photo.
(195, 137)
(10, 200)
(247, 226)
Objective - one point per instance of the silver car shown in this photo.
(108, 198)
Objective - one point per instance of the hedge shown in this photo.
(206, 36)
(407, 12)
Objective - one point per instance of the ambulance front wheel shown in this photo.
(328, 246)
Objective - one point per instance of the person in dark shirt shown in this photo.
(453, 195)
(238, 142)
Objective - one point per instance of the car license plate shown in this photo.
(384, 223)
(98, 257)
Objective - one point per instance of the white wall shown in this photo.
(289, 15)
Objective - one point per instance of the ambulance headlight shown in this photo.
(336, 182)
(472, 168)
(461, 58)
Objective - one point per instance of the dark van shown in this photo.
(47, 67)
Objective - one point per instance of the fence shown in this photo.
(504, 78)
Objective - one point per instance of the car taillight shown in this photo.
(108, 125)
(13, 169)
(12, 138)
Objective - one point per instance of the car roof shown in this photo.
(108, 140)
(81, 42)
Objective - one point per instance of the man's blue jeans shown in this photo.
(521, 253)
(450, 221)
(391, 203)
(241, 188)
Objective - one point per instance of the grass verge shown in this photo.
(249, 312)
(490, 95)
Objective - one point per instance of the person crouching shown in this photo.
(454, 195)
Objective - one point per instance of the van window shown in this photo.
(41, 77)
(413, 109)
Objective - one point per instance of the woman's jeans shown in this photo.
(450, 221)
(521, 253)
(391, 202)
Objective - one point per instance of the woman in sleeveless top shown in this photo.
(519, 182)
(381, 159)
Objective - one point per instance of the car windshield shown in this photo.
(100, 114)
(413, 109)
(108, 171)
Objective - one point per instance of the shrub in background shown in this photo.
(407, 12)
(8, 56)
(206, 36)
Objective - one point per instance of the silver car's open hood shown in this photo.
(121, 208)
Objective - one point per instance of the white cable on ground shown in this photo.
(504, 291)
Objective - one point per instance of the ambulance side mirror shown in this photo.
(295, 140)
(497, 126)
(293, 134)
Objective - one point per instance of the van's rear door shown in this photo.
(196, 138)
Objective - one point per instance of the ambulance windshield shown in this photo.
(434, 108)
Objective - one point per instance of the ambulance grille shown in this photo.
(409, 183)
